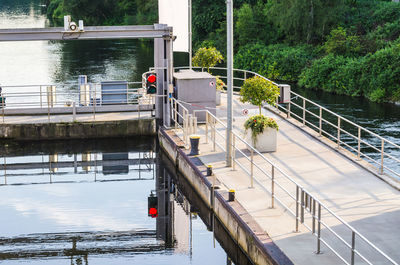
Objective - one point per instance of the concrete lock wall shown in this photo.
(237, 221)
(78, 130)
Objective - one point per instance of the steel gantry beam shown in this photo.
(89, 33)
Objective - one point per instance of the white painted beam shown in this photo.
(90, 33)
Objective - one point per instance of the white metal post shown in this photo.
(190, 34)
(229, 15)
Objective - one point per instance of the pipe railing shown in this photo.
(382, 151)
(315, 117)
(53, 99)
(298, 201)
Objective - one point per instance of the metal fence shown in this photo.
(381, 153)
(342, 239)
(72, 99)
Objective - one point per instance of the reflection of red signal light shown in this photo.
(151, 79)
(153, 212)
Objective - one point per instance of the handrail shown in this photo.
(380, 149)
(304, 200)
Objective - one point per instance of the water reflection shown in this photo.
(89, 203)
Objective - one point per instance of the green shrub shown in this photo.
(207, 57)
(278, 61)
(375, 76)
(340, 43)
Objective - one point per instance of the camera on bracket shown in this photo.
(72, 26)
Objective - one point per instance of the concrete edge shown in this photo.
(342, 151)
(245, 231)
(78, 130)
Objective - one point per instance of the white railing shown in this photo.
(381, 153)
(345, 133)
(65, 99)
(293, 197)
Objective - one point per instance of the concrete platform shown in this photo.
(100, 125)
(365, 201)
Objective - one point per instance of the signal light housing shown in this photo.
(152, 205)
(151, 83)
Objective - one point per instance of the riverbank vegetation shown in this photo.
(343, 46)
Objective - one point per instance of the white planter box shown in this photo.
(218, 97)
(265, 142)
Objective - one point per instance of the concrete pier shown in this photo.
(346, 186)
(99, 125)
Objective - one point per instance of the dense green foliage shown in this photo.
(276, 61)
(343, 46)
(106, 12)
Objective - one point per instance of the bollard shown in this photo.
(194, 144)
(209, 170)
(231, 195)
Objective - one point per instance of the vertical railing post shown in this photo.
(213, 134)
(41, 100)
(320, 121)
(233, 151)
(176, 114)
(382, 154)
(195, 124)
(319, 230)
(94, 102)
(297, 208)
(359, 144)
(302, 206)
(139, 107)
(304, 111)
(74, 111)
(288, 109)
(206, 127)
(273, 186)
(353, 247)
(338, 132)
(245, 75)
(251, 167)
(313, 216)
(2, 107)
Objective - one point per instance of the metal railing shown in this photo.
(56, 99)
(292, 196)
(345, 133)
(365, 144)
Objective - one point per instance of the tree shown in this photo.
(207, 57)
(340, 43)
(305, 20)
(257, 91)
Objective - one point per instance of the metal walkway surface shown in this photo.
(352, 193)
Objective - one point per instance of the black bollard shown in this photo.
(231, 195)
(194, 144)
(209, 170)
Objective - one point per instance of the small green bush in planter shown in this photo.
(207, 57)
(257, 91)
(220, 84)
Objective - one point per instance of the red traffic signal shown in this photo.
(151, 79)
(152, 205)
(153, 212)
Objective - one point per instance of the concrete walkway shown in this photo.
(359, 197)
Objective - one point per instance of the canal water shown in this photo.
(111, 201)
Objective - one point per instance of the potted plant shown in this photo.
(220, 88)
(257, 91)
